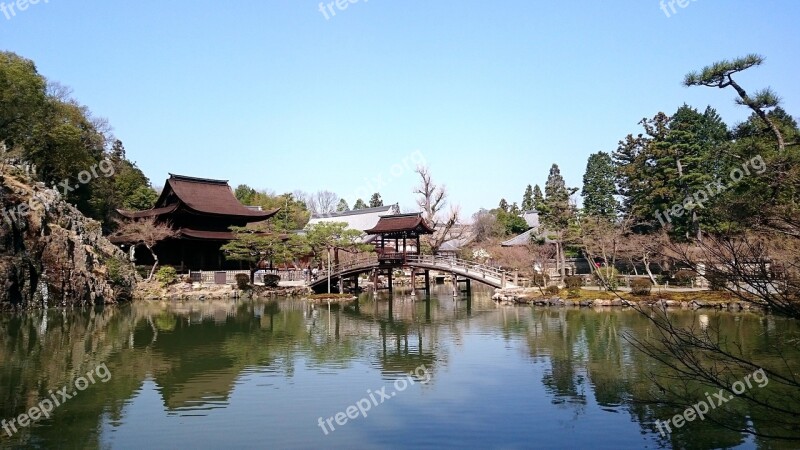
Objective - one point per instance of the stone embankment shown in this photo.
(533, 297)
(196, 291)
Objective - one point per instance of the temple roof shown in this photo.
(201, 196)
(357, 219)
(402, 223)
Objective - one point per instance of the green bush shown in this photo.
(117, 269)
(166, 275)
(242, 281)
(717, 281)
(607, 276)
(553, 290)
(641, 287)
(271, 280)
(574, 285)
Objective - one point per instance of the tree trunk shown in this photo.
(646, 262)
(155, 263)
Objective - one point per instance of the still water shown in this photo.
(410, 373)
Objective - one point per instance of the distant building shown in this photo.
(202, 211)
(535, 231)
(357, 219)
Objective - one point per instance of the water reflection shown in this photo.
(277, 365)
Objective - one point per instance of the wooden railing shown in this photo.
(478, 271)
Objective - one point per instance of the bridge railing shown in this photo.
(435, 262)
(363, 261)
(446, 262)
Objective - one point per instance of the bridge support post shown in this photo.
(413, 279)
(455, 284)
(469, 286)
(428, 282)
(390, 280)
(375, 283)
(355, 284)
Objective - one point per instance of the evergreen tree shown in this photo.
(342, 206)
(538, 198)
(359, 205)
(557, 212)
(527, 199)
(503, 205)
(375, 201)
(599, 187)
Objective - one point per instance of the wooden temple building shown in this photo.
(201, 211)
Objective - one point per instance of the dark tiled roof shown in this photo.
(149, 212)
(206, 235)
(401, 222)
(210, 197)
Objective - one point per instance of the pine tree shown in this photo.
(557, 212)
(342, 206)
(599, 187)
(359, 205)
(538, 198)
(527, 199)
(375, 201)
(503, 205)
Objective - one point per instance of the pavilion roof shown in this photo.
(402, 222)
(201, 196)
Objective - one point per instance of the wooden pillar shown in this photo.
(469, 286)
(390, 279)
(427, 282)
(413, 279)
(355, 284)
(455, 285)
(375, 283)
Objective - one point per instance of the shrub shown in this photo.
(553, 290)
(717, 281)
(166, 275)
(607, 276)
(242, 281)
(573, 283)
(117, 270)
(271, 280)
(641, 287)
(684, 277)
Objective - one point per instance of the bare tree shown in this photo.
(433, 200)
(483, 225)
(146, 232)
(322, 203)
(643, 250)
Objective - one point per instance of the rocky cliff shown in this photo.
(50, 254)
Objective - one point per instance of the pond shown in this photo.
(410, 372)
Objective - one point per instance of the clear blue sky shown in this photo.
(273, 94)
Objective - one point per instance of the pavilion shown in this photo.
(202, 211)
(399, 236)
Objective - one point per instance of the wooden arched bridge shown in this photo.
(386, 263)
